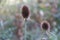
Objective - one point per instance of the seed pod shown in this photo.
(45, 26)
(25, 11)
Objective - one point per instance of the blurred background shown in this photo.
(44, 9)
